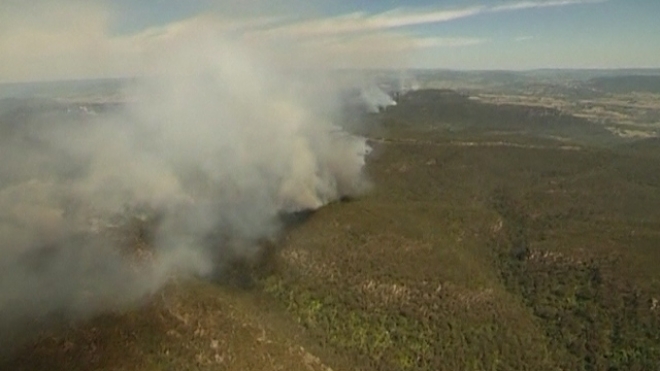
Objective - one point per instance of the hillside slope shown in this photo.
(475, 250)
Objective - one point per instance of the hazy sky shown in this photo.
(50, 39)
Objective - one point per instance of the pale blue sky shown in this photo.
(602, 34)
(49, 38)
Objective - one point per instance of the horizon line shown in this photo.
(347, 69)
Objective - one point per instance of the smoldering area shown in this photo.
(208, 159)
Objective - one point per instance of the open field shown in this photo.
(626, 103)
(497, 237)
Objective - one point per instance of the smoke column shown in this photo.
(213, 146)
(375, 98)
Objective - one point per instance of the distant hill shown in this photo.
(20, 111)
(63, 88)
(571, 83)
(627, 84)
(454, 111)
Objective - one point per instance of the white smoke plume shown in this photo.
(407, 81)
(375, 98)
(211, 148)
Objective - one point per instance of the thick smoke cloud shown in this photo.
(210, 150)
